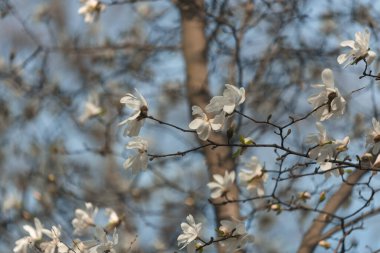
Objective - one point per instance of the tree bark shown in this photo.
(194, 46)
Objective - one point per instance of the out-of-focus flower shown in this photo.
(91, 108)
(229, 228)
(140, 159)
(113, 219)
(101, 242)
(191, 231)
(136, 120)
(232, 97)
(373, 137)
(333, 103)
(359, 49)
(84, 219)
(325, 148)
(55, 243)
(91, 10)
(254, 177)
(237, 233)
(35, 235)
(11, 201)
(220, 186)
(203, 125)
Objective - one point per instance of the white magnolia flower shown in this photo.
(341, 145)
(102, 243)
(325, 147)
(91, 108)
(329, 95)
(191, 231)
(78, 247)
(136, 120)
(373, 137)
(91, 10)
(359, 49)
(203, 125)
(113, 218)
(254, 177)
(239, 236)
(27, 241)
(55, 243)
(140, 159)
(327, 166)
(228, 228)
(84, 219)
(232, 97)
(11, 201)
(220, 186)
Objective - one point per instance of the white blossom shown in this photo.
(35, 234)
(113, 218)
(329, 95)
(220, 186)
(373, 137)
(235, 230)
(232, 97)
(203, 125)
(55, 243)
(11, 201)
(254, 177)
(326, 148)
(140, 110)
(140, 159)
(191, 231)
(228, 228)
(91, 108)
(91, 10)
(359, 49)
(102, 243)
(84, 219)
(78, 247)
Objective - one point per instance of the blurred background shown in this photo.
(54, 157)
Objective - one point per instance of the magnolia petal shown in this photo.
(204, 132)
(218, 178)
(348, 43)
(216, 104)
(196, 123)
(196, 110)
(328, 78)
(342, 58)
(371, 57)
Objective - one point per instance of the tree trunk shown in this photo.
(194, 46)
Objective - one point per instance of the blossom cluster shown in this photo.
(133, 125)
(329, 103)
(218, 109)
(232, 235)
(49, 240)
